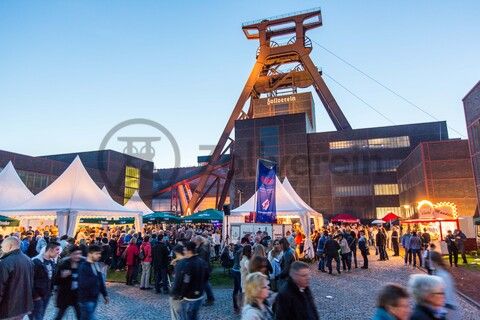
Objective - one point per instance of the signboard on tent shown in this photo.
(266, 207)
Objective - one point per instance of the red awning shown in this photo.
(390, 217)
(345, 218)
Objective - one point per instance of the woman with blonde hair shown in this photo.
(256, 292)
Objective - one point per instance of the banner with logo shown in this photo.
(266, 207)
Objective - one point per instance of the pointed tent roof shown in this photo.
(74, 190)
(13, 191)
(288, 187)
(104, 189)
(285, 204)
(136, 203)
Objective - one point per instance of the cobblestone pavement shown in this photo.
(352, 296)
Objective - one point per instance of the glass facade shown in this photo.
(371, 166)
(375, 143)
(269, 144)
(132, 182)
(385, 189)
(383, 211)
(352, 191)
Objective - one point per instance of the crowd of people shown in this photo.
(269, 279)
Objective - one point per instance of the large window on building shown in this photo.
(269, 144)
(383, 211)
(33, 180)
(385, 189)
(376, 143)
(132, 182)
(352, 191)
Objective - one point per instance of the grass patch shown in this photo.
(473, 262)
(219, 277)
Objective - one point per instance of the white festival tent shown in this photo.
(136, 203)
(71, 196)
(104, 189)
(288, 205)
(13, 191)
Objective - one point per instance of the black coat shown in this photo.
(423, 313)
(286, 261)
(160, 256)
(65, 295)
(42, 284)
(292, 304)
(90, 285)
(16, 284)
(331, 248)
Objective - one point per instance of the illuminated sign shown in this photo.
(281, 100)
(441, 210)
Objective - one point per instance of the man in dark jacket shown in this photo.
(160, 261)
(452, 248)
(460, 238)
(203, 250)
(294, 300)
(363, 247)
(66, 280)
(286, 261)
(191, 276)
(395, 242)
(90, 283)
(43, 272)
(16, 281)
(331, 252)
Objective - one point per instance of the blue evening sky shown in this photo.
(72, 70)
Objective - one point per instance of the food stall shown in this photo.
(437, 219)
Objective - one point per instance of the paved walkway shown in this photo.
(352, 296)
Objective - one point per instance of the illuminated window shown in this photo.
(376, 143)
(385, 189)
(132, 182)
(383, 211)
(352, 191)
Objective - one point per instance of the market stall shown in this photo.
(161, 217)
(344, 218)
(205, 216)
(72, 196)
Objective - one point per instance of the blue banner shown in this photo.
(266, 207)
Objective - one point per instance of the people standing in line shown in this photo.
(452, 248)
(406, 246)
(392, 303)
(321, 251)
(416, 247)
(43, 272)
(160, 260)
(363, 247)
(17, 273)
(460, 238)
(90, 284)
(256, 293)
(66, 280)
(203, 250)
(294, 300)
(146, 249)
(451, 302)
(345, 252)
(131, 260)
(288, 257)
(275, 256)
(331, 252)
(429, 295)
(395, 238)
(191, 276)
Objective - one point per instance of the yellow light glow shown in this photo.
(424, 203)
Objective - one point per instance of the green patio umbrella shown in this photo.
(161, 217)
(8, 222)
(126, 220)
(205, 216)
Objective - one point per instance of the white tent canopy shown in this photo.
(104, 189)
(13, 191)
(290, 205)
(136, 203)
(71, 196)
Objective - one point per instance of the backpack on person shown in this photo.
(141, 254)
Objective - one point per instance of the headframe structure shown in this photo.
(266, 77)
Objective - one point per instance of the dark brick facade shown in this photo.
(439, 172)
(334, 172)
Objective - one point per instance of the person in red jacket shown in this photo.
(146, 258)
(131, 257)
